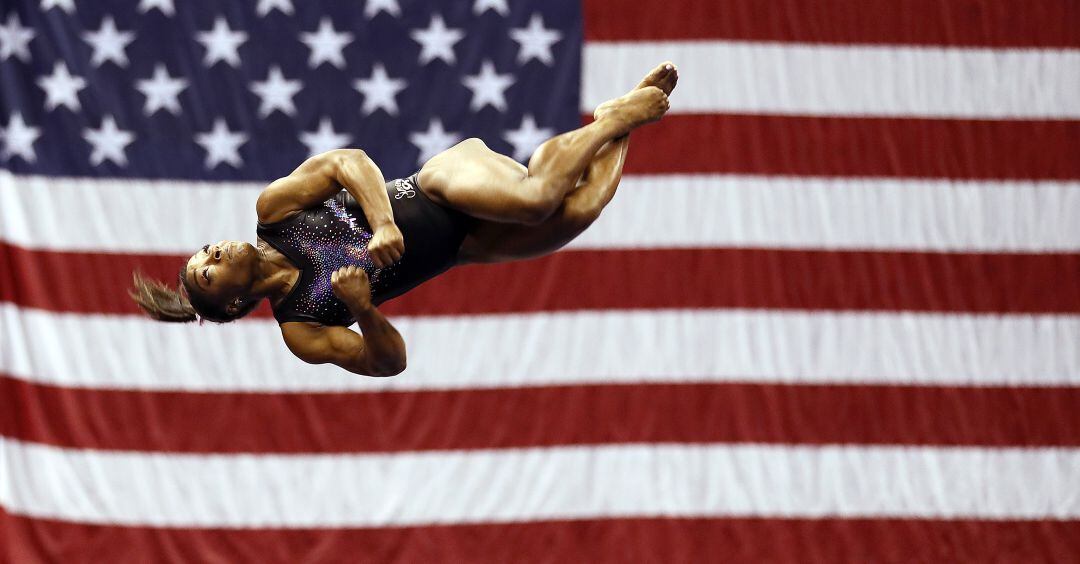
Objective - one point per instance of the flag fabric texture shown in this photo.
(832, 313)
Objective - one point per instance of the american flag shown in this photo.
(830, 315)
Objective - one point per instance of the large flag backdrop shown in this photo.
(830, 315)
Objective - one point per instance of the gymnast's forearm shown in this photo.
(360, 176)
(384, 347)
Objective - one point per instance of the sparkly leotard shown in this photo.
(324, 238)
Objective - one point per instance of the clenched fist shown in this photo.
(350, 285)
(386, 246)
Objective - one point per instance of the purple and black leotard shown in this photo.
(324, 238)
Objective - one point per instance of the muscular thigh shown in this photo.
(489, 241)
(472, 178)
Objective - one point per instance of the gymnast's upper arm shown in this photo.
(313, 182)
(316, 344)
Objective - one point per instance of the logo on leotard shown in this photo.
(405, 188)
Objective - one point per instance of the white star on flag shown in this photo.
(535, 41)
(221, 43)
(499, 6)
(18, 139)
(15, 39)
(433, 141)
(488, 87)
(379, 91)
(373, 7)
(264, 7)
(326, 44)
(276, 93)
(65, 5)
(324, 139)
(108, 43)
(166, 7)
(61, 88)
(222, 145)
(527, 138)
(437, 41)
(161, 91)
(108, 142)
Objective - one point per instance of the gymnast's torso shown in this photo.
(322, 239)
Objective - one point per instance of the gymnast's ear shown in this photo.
(159, 301)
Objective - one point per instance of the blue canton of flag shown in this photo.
(247, 90)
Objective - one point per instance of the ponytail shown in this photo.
(183, 304)
(161, 302)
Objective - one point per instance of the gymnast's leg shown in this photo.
(498, 242)
(473, 179)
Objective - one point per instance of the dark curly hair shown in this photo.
(181, 305)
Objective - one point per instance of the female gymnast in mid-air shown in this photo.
(326, 257)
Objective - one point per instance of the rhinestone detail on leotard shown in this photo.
(330, 239)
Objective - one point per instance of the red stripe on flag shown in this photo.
(628, 279)
(587, 414)
(990, 23)
(602, 540)
(875, 147)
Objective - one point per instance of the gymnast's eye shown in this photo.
(206, 274)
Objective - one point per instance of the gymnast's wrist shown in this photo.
(381, 224)
(360, 307)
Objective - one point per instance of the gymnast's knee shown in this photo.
(536, 202)
(580, 214)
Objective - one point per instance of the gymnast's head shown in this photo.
(215, 284)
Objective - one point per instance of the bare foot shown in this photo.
(636, 108)
(664, 77)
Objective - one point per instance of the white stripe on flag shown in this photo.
(123, 215)
(573, 482)
(175, 217)
(837, 213)
(486, 351)
(862, 80)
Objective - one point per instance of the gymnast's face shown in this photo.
(224, 270)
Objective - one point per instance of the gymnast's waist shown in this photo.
(420, 219)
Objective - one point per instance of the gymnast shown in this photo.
(326, 257)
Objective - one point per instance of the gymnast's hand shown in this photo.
(386, 245)
(350, 285)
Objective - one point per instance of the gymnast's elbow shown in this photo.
(343, 157)
(386, 369)
(380, 365)
(363, 364)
